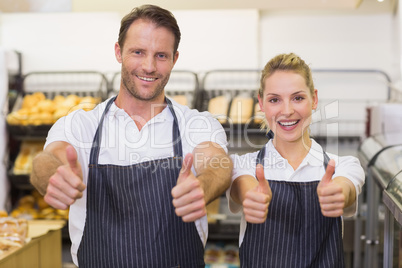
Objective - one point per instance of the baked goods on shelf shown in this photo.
(36, 109)
(33, 206)
(241, 109)
(180, 99)
(218, 107)
(23, 162)
(13, 229)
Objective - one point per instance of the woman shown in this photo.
(308, 189)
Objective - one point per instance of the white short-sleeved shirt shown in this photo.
(311, 169)
(123, 144)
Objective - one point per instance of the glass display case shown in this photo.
(381, 156)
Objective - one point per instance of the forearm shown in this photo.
(44, 166)
(241, 186)
(215, 176)
(348, 189)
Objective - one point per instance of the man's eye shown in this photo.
(137, 52)
(161, 56)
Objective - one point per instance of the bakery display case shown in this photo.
(386, 172)
(381, 157)
(43, 98)
(182, 87)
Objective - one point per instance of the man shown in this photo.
(134, 200)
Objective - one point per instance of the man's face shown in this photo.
(147, 60)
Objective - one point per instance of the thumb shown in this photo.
(187, 164)
(262, 182)
(327, 178)
(72, 159)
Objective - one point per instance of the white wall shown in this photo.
(62, 41)
(85, 41)
(333, 40)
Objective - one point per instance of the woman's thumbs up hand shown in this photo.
(330, 193)
(256, 201)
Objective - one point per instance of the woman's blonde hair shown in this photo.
(285, 62)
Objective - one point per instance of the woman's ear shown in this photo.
(315, 99)
(260, 102)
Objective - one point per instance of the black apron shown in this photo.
(130, 219)
(295, 233)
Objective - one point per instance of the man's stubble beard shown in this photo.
(131, 88)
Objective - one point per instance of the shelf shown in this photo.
(20, 181)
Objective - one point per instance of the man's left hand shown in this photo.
(188, 194)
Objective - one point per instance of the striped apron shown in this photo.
(295, 233)
(130, 220)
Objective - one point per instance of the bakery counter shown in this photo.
(43, 248)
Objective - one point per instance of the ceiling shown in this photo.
(124, 5)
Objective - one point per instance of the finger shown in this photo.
(187, 164)
(186, 193)
(329, 172)
(255, 213)
(262, 183)
(189, 208)
(55, 203)
(194, 215)
(187, 189)
(332, 213)
(252, 196)
(70, 178)
(252, 219)
(62, 189)
(72, 159)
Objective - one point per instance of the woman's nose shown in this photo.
(287, 108)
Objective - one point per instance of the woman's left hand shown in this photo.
(330, 194)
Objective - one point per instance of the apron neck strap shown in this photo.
(261, 153)
(177, 146)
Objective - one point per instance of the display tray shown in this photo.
(20, 181)
(28, 131)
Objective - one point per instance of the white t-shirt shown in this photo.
(123, 144)
(311, 169)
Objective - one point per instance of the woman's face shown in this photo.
(287, 104)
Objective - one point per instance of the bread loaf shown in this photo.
(180, 99)
(218, 107)
(241, 109)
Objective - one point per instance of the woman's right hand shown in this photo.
(256, 201)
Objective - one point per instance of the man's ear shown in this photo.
(175, 58)
(117, 52)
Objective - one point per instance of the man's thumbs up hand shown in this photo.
(65, 186)
(256, 201)
(188, 195)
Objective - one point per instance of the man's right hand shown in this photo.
(66, 185)
(256, 201)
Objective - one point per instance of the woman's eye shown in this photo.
(299, 98)
(274, 100)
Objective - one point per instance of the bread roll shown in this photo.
(180, 99)
(218, 107)
(241, 109)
